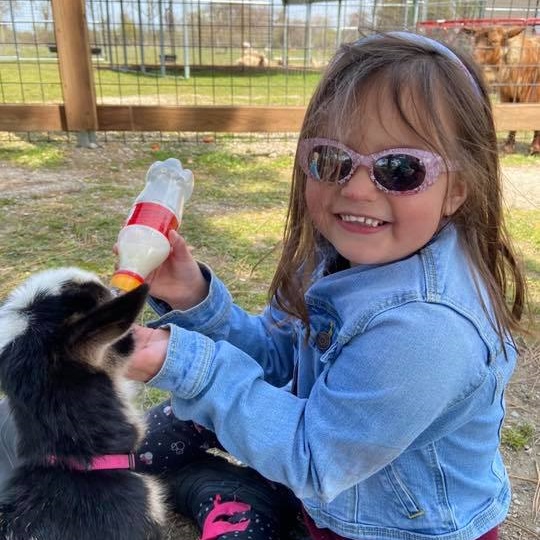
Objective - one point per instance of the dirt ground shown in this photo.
(522, 186)
(522, 190)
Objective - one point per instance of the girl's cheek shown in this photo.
(309, 196)
(319, 202)
(316, 196)
(313, 201)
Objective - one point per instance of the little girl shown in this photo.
(368, 397)
(390, 314)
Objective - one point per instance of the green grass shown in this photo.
(40, 83)
(34, 156)
(518, 160)
(521, 157)
(518, 437)
(234, 219)
(524, 226)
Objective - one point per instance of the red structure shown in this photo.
(459, 23)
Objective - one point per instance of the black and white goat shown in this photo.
(64, 343)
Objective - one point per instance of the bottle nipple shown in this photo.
(124, 281)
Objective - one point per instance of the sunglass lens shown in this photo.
(399, 172)
(329, 164)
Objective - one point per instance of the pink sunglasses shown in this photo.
(398, 171)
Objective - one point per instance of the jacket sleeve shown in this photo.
(372, 401)
(268, 338)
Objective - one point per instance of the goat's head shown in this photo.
(63, 319)
(490, 42)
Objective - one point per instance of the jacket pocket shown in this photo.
(403, 494)
(497, 466)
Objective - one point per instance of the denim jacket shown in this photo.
(394, 429)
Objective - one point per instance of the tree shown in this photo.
(6, 7)
(169, 21)
(7, 12)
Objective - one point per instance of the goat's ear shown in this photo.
(514, 31)
(109, 321)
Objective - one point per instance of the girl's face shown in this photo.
(399, 224)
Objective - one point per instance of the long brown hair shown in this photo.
(438, 85)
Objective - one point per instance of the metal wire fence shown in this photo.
(219, 52)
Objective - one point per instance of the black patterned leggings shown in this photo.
(224, 499)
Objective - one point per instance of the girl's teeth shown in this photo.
(361, 219)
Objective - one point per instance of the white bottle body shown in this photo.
(141, 249)
(143, 243)
(168, 184)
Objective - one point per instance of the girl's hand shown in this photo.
(149, 354)
(179, 280)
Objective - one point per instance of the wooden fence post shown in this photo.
(76, 70)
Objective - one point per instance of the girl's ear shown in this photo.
(457, 193)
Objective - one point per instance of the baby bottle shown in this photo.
(142, 242)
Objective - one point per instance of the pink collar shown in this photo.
(99, 463)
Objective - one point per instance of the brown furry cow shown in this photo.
(515, 59)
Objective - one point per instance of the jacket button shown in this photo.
(323, 340)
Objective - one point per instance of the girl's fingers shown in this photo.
(178, 246)
(150, 278)
(174, 238)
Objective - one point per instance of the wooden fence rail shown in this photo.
(81, 113)
(518, 117)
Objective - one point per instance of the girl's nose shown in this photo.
(360, 186)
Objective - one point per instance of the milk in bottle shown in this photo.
(142, 242)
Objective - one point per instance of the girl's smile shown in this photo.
(360, 224)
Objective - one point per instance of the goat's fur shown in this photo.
(515, 61)
(64, 343)
(251, 58)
